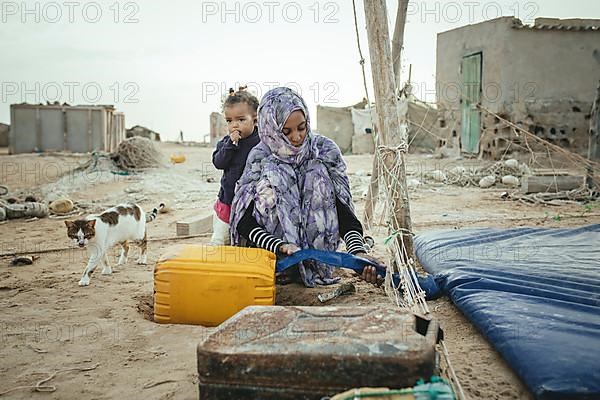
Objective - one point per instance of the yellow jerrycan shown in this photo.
(205, 284)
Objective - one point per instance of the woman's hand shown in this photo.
(369, 273)
(288, 248)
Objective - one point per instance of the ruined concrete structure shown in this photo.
(56, 127)
(541, 77)
(4, 128)
(218, 127)
(336, 124)
(351, 128)
(142, 131)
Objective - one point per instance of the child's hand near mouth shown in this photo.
(235, 137)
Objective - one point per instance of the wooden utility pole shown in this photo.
(389, 122)
(398, 40)
(594, 144)
(397, 44)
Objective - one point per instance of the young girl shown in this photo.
(230, 155)
(294, 192)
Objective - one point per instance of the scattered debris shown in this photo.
(98, 169)
(439, 389)
(23, 260)
(61, 206)
(537, 184)
(344, 288)
(195, 225)
(41, 387)
(510, 180)
(511, 163)
(37, 350)
(581, 195)
(29, 209)
(462, 176)
(413, 183)
(74, 213)
(177, 158)
(457, 170)
(437, 175)
(153, 384)
(487, 181)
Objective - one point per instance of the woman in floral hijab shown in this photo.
(294, 192)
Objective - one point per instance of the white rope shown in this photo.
(408, 294)
(454, 377)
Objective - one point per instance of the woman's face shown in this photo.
(295, 128)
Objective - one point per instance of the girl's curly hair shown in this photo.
(241, 96)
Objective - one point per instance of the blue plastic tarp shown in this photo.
(534, 293)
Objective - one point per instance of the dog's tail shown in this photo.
(152, 215)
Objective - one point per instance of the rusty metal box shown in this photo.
(312, 352)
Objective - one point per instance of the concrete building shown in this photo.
(56, 127)
(542, 77)
(218, 127)
(351, 128)
(336, 123)
(142, 131)
(4, 134)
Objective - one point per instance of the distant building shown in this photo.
(142, 131)
(218, 127)
(351, 128)
(56, 127)
(543, 77)
(336, 124)
(4, 134)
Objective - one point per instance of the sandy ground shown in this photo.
(49, 324)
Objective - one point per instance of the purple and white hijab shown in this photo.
(294, 189)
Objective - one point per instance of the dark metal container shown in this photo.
(274, 352)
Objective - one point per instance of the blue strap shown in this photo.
(344, 260)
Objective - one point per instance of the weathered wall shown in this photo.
(362, 141)
(488, 38)
(540, 77)
(117, 131)
(557, 74)
(336, 124)
(347, 126)
(218, 127)
(78, 129)
(559, 63)
(422, 128)
(4, 134)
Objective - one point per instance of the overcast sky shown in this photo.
(166, 64)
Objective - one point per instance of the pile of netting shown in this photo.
(137, 153)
